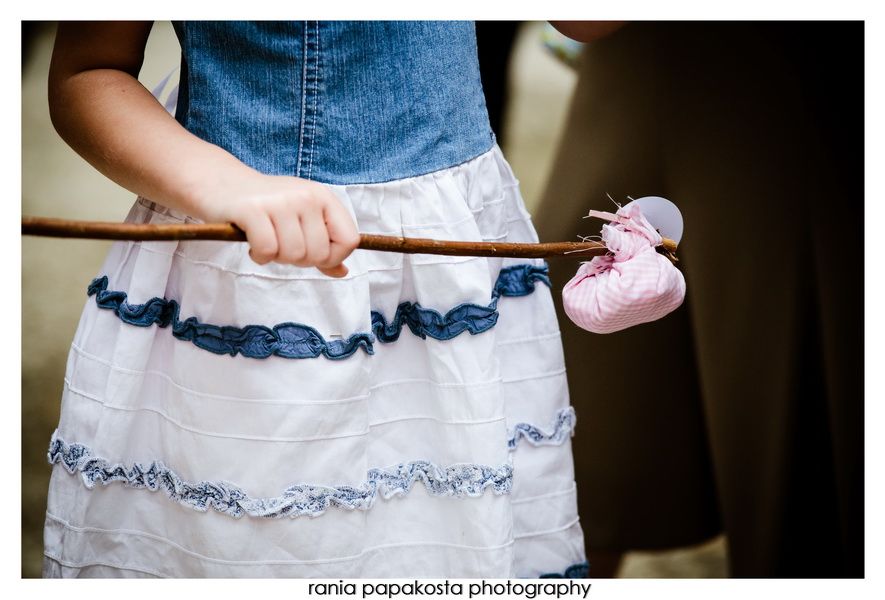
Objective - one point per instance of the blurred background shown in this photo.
(576, 122)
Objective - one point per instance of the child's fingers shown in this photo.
(343, 234)
(292, 248)
(261, 236)
(316, 238)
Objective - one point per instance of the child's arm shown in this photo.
(586, 31)
(98, 107)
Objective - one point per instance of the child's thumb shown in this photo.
(337, 271)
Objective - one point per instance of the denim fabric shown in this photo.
(339, 102)
(288, 340)
(515, 281)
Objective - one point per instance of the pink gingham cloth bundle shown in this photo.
(630, 285)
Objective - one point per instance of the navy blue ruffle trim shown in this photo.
(518, 280)
(578, 571)
(288, 340)
(295, 340)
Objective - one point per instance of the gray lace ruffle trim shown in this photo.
(458, 480)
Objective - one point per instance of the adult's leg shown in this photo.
(641, 452)
(776, 310)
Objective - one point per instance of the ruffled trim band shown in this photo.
(576, 571)
(464, 479)
(296, 340)
(297, 500)
(288, 340)
(563, 428)
(518, 280)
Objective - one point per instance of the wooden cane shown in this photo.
(228, 232)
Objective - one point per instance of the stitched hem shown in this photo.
(285, 440)
(73, 565)
(286, 402)
(319, 561)
(555, 373)
(573, 489)
(531, 338)
(559, 529)
(195, 430)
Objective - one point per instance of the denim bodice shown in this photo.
(335, 101)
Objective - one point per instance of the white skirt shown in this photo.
(225, 419)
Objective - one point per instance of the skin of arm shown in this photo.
(100, 109)
(587, 31)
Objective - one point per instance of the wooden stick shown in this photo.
(231, 233)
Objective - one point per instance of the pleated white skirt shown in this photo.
(225, 419)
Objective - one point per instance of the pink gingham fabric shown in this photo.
(632, 284)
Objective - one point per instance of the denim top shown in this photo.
(340, 102)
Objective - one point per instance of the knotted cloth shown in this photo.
(632, 284)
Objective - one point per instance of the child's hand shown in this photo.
(104, 113)
(287, 220)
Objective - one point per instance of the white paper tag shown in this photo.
(663, 215)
